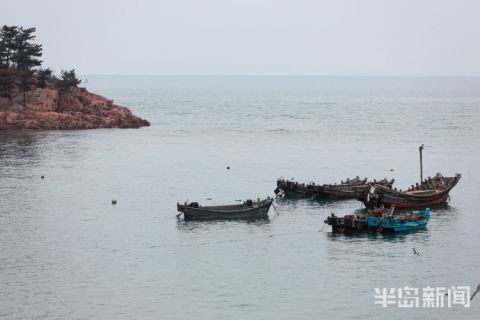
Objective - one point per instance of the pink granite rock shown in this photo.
(75, 108)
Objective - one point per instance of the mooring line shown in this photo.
(275, 209)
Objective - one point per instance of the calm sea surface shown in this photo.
(67, 253)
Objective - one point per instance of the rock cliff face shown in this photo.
(74, 108)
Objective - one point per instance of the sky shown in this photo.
(255, 37)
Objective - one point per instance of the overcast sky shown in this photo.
(259, 37)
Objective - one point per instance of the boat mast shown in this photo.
(421, 163)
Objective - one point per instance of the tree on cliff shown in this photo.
(27, 53)
(25, 58)
(44, 75)
(68, 79)
(19, 55)
(19, 62)
(17, 49)
(7, 82)
(7, 44)
(7, 48)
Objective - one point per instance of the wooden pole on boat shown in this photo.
(421, 163)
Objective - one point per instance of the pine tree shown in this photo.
(27, 53)
(7, 81)
(22, 54)
(3, 62)
(7, 48)
(8, 35)
(27, 82)
(68, 79)
(44, 75)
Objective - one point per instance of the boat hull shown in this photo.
(297, 193)
(344, 191)
(429, 193)
(405, 203)
(338, 193)
(347, 224)
(390, 224)
(228, 213)
(291, 189)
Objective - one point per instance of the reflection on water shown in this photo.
(19, 148)
(417, 236)
(28, 147)
(446, 210)
(201, 225)
(372, 235)
(317, 203)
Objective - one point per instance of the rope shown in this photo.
(275, 209)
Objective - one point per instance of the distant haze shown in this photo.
(255, 37)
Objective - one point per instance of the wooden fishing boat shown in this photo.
(402, 223)
(348, 189)
(247, 210)
(291, 189)
(350, 223)
(432, 191)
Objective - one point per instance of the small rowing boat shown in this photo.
(247, 210)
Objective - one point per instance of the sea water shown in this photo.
(67, 253)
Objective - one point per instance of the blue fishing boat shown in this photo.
(406, 222)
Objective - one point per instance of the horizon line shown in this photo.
(279, 75)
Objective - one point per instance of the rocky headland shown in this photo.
(73, 108)
(32, 97)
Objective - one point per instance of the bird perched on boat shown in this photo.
(416, 252)
(476, 291)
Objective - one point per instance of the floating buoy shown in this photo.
(114, 201)
(228, 168)
(43, 177)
